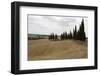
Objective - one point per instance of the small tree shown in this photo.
(53, 36)
(62, 36)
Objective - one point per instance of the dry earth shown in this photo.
(45, 49)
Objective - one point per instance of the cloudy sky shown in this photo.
(46, 24)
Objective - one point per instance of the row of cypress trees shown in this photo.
(76, 35)
(65, 35)
(53, 36)
(80, 34)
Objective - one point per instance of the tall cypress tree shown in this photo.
(65, 35)
(81, 33)
(70, 35)
(75, 33)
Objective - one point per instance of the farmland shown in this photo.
(44, 49)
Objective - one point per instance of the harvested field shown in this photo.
(44, 49)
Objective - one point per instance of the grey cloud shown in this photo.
(48, 24)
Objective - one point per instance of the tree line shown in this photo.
(76, 34)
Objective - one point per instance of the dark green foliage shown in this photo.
(70, 35)
(81, 33)
(53, 36)
(56, 37)
(64, 36)
(76, 35)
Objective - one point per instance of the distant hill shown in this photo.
(36, 36)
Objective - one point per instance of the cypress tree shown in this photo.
(56, 37)
(65, 35)
(75, 33)
(70, 35)
(81, 33)
(61, 36)
(52, 36)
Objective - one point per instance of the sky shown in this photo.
(47, 24)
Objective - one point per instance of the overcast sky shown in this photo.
(46, 24)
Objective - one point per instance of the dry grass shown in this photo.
(45, 49)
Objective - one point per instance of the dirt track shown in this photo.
(45, 49)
